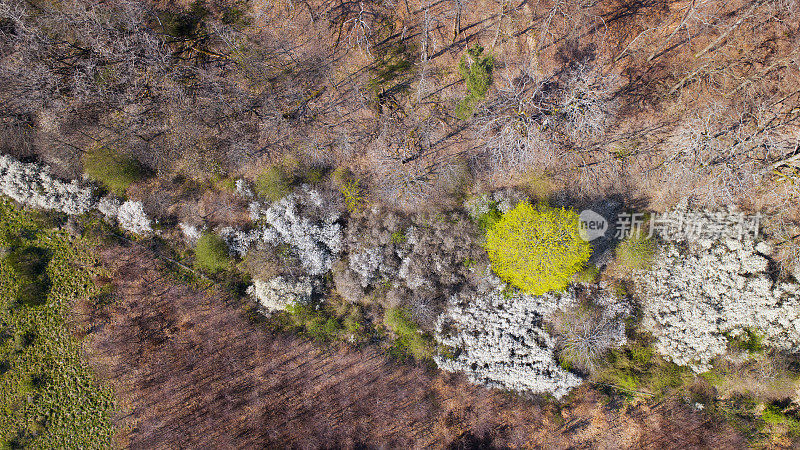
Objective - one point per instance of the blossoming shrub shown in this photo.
(131, 217)
(537, 248)
(502, 342)
(31, 184)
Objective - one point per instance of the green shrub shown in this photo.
(750, 340)
(398, 237)
(317, 323)
(324, 329)
(476, 70)
(113, 170)
(488, 219)
(465, 107)
(588, 275)
(636, 253)
(410, 340)
(211, 253)
(636, 370)
(350, 188)
(273, 183)
(537, 248)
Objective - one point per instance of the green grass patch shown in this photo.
(49, 397)
(29, 266)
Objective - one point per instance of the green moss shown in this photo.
(392, 73)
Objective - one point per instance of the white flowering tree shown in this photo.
(316, 240)
(696, 294)
(32, 185)
(500, 342)
(131, 217)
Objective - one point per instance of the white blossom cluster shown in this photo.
(279, 292)
(317, 237)
(696, 292)
(32, 185)
(243, 189)
(367, 264)
(109, 207)
(131, 217)
(239, 241)
(191, 233)
(500, 341)
(503, 200)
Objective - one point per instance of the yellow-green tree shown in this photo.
(537, 248)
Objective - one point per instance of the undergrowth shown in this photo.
(49, 397)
